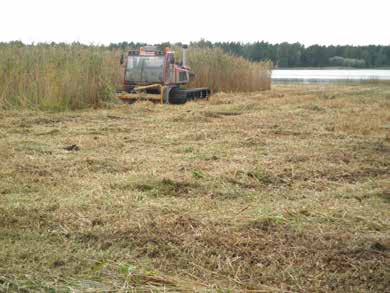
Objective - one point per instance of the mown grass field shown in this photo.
(278, 191)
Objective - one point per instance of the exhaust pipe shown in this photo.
(184, 48)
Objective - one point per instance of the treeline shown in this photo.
(286, 55)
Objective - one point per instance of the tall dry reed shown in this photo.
(56, 77)
(223, 72)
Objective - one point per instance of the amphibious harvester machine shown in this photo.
(152, 74)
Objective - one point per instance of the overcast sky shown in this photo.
(357, 22)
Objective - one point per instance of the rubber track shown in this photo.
(180, 96)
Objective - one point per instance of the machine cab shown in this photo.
(151, 66)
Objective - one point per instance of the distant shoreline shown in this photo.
(332, 68)
(329, 75)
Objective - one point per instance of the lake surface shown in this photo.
(328, 75)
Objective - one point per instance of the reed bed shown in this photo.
(56, 77)
(65, 77)
(223, 72)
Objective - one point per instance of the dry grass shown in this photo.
(278, 191)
